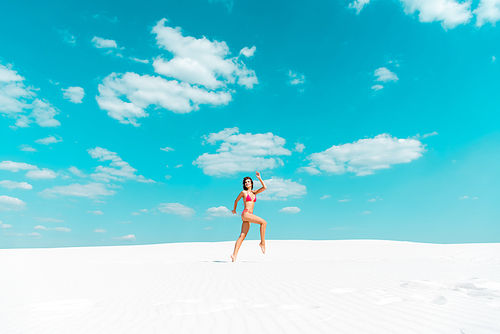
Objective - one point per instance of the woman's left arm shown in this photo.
(261, 182)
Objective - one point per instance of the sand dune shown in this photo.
(355, 286)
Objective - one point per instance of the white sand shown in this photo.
(355, 286)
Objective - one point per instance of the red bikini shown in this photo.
(248, 198)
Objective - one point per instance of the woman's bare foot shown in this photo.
(263, 247)
(233, 258)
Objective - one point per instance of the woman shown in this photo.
(249, 198)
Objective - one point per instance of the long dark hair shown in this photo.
(247, 178)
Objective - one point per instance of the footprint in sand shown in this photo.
(382, 297)
(434, 299)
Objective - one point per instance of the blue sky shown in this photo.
(135, 124)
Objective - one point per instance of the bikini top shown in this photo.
(250, 198)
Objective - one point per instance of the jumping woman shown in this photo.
(249, 198)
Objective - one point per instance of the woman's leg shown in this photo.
(263, 224)
(244, 231)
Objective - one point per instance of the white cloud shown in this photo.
(119, 170)
(90, 190)
(26, 148)
(168, 177)
(49, 140)
(493, 58)
(430, 134)
(62, 229)
(33, 234)
(100, 230)
(176, 209)
(290, 209)
(143, 91)
(41, 174)
(220, 211)
(67, 37)
(8, 203)
(144, 61)
(40, 227)
(377, 87)
(488, 11)
(97, 213)
(248, 52)
(13, 185)
(167, 149)
(48, 220)
(279, 189)
(130, 237)
(2, 225)
(344, 200)
(143, 210)
(365, 156)
(358, 5)
(375, 199)
(76, 171)
(16, 99)
(449, 12)
(200, 73)
(367, 213)
(16, 166)
(325, 196)
(295, 78)
(241, 152)
(299, 147)
(464, 197)
(102, 43)
(199, 61)
(384, 75)
(74, 94)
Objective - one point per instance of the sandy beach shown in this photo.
(351, 286)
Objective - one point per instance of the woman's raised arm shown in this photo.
(261, 182)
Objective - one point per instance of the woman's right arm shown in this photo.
(236, 202)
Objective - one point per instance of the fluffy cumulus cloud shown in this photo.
(74, 94)
(176, 209)
(279, 189)
(220, 211)
(102, 43)
(248, 52)
(41, 174)
(290, 209)
(295, 78)
(242, 152)
(365, 156)
(8, 203)
(13, 185)
(199, 71)
(450, 13)
(20, 103)
(2, 225)
(384, 75)
(26, 148)
(377, 87)
(488, 11)
(16, 166)
(118, 169)
(90, 190)
(49, 140)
